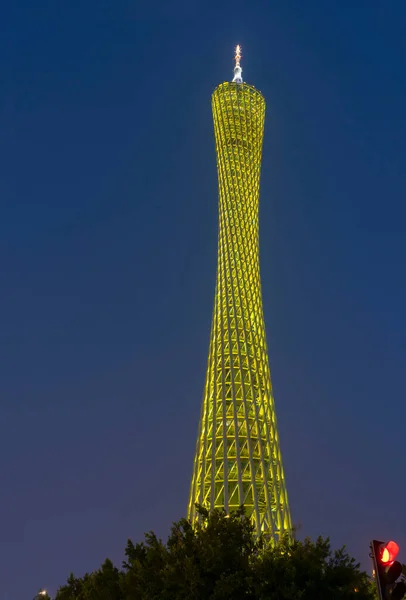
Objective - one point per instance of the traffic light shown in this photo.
(387, 570)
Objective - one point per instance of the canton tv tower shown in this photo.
(238, 458)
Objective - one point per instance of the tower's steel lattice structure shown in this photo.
(238, 458)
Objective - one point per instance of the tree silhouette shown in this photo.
(220, 558)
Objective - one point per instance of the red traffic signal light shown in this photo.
(387, 570)
(388, 553)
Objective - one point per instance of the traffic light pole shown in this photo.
(376, 571)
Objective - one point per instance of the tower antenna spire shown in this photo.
(237, 69)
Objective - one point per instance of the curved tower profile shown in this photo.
(238, 458)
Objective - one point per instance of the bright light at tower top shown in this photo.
(237, 55)
(237, 69)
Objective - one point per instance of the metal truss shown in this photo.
(238, 458)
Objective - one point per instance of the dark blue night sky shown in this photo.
(108, 236)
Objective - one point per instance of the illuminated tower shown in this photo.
(238, 458)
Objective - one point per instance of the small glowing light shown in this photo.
(237, 55)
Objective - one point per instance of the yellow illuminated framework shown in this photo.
(238, 459)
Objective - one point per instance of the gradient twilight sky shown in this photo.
(108, 236)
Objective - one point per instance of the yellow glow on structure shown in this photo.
(238, 458)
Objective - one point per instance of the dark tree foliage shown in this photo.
(221, 559)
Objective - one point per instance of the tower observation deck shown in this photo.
(238, 458)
